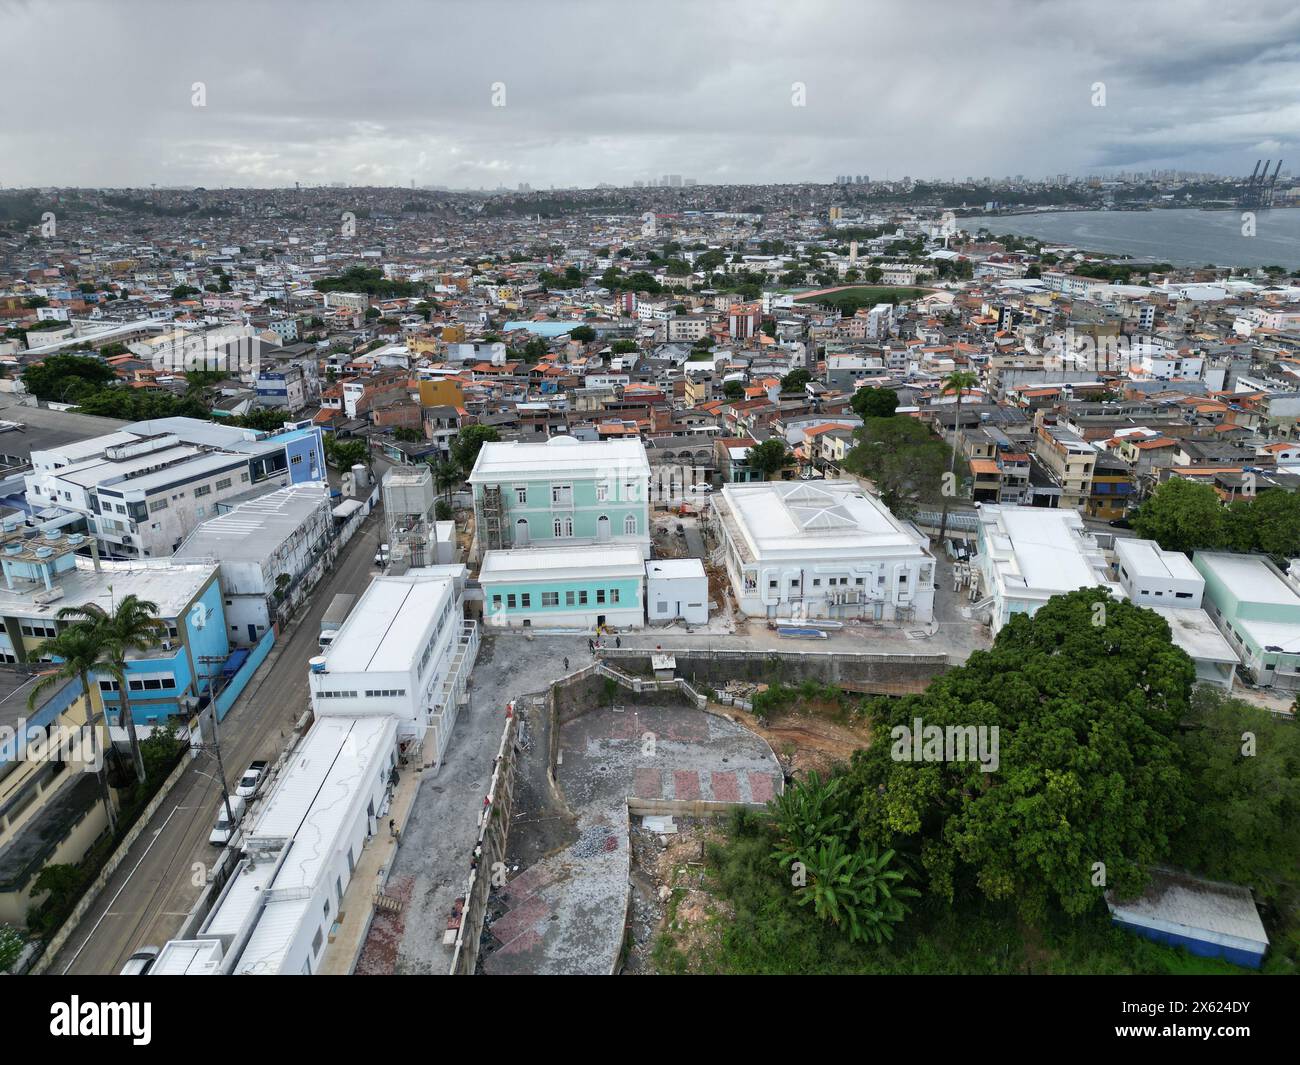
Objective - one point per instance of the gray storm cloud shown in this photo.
(388, 93)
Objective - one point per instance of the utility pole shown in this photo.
(215, 746)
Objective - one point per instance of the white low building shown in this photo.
(1168, 583)
(270, 550)
(587, 588)
(1154, 577)
(405, 651)
(274, 914)
(824, 549)
(1026, 555)
(1195, 633)
(676, 589)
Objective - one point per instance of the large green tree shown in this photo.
(1268, 523)
(868, 402)
(469, 442)
(769, 457)
(795, 380)
(902, 458)
(66, 378)
(1182, 515)
(1087, 788)
(1244, 826)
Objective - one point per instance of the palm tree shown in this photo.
(133, 626)
(956, 383)
(78, 651)
(446, 476)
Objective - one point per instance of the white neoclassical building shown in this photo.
(823, 549)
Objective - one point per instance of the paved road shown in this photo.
(153, 889)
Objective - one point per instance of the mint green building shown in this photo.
(1257, 608)
(561, 493)
(564, 587)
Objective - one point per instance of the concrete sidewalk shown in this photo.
(348, 935)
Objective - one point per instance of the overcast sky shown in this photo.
(100, 92)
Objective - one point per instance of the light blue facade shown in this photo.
(579, 601)
(160, 681)
(305, 450)
(572, 509)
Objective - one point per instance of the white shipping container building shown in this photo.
(393, 679)
(404, 651)
(274, 913)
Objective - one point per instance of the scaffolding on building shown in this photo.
(493, 518)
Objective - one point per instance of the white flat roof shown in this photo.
(560, 456)
(1250, 578)
(1195, 633)
(593, 561)
(1145, 558)
(311, 805)
(383, 632)
(675, 568)
(1040, 550)
(188, 957)
(833, 519)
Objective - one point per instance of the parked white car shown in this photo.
(251, 781)
(225, 828)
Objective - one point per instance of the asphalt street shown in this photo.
(153, 889)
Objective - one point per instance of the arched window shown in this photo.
(602, 527)
(629, 525)
(521, 531)
(558, 528)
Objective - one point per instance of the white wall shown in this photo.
(671, 598)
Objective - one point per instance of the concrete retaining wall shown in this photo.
(866, 672)
(494, 830)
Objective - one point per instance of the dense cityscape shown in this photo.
(660, 576)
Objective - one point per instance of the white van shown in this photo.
(224, 829)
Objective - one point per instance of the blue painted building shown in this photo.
(1206, 918)
(43, 575)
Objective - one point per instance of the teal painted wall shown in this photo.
(1232, 610)
(629, 596)
(584, 513)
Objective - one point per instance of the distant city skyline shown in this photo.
(504, 94)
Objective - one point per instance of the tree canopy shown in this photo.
(902, 458)
(768, 457)
(66, 378)
(469, 442)
(1183, 515)
(1244, 826)
(1086, 695)
(868, 402)
(795, 380)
